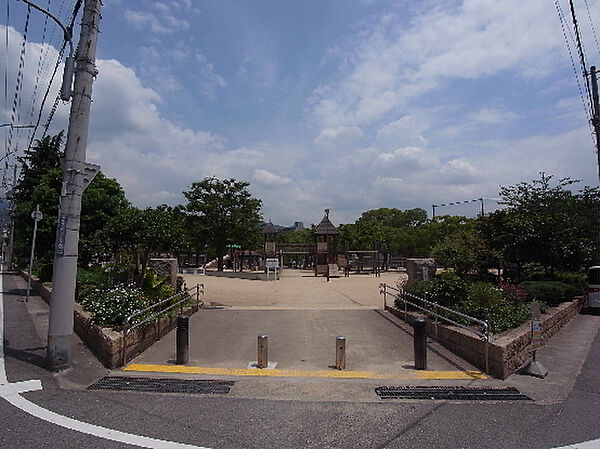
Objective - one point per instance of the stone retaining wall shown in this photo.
(509, 350)
(105, 342)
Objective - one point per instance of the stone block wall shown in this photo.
(106, 343)
(507, 351)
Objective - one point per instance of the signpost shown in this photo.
(272, 264)
(535, 368)
(36, 215)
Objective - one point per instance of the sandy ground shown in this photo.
(296, 290)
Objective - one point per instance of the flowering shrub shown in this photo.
(513, 293)
(112, 306)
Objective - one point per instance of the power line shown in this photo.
(581, 51)
(6, 59)
(457, 203)
(10, 149)
(566, 33)
(592, 26)
(19, 82)
(68, 31)
(31, 107)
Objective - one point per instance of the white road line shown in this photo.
(592, 444)
(11, 392)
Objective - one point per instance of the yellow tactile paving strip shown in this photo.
(323, 374)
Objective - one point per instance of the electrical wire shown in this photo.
(581, 52)
(566, 32)
(30, 109)
(6, 60)
(592, 26)
(19, 83)
(9, 147)
(75, 11)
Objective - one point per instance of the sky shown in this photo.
(339, 104)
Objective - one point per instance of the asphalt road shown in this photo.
(216, 421)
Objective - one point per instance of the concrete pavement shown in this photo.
(305, 412)
(302, 340)
(302, 315)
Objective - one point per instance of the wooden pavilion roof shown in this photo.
(326, 228)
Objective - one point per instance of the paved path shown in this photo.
(298, 413)
(302, 315)
(297, 290)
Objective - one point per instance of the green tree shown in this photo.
(546, 223)
(465, 251)
(138, 234)
(39, 183)
(227, 212)
(103, 199)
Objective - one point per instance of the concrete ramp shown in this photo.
(302, 342)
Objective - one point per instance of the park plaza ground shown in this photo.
(302, 315)
(297, 289)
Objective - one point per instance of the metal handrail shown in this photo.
(434, 311)
(185, 295)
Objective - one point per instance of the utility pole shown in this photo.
(13, 210)
(596, 112)
(77, 174)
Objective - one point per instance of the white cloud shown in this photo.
(27, 109)
(165, 23)
(209, 80)
(266, 178)
(410, 161)
(375, 145)
(460, 172)
(342, 136)
(408, 130)
(493, 116)
(394, 64)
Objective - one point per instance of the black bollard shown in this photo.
(420, 343)
(183, 339)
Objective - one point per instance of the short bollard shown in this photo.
(262, 361)
(183, 339)
(340, 352)
(420, 343)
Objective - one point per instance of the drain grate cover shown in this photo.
(163, 385)
(452, 393)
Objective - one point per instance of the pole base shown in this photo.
(535, 368)
(59, 352)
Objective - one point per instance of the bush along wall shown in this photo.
(507, 304)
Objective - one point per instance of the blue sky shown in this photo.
(348, 105)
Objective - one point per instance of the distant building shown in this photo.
(298, 226)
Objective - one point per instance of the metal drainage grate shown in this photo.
(452, 393)
(163, 385)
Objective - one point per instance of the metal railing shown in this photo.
(432, 308)
(156, 311)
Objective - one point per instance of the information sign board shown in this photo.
(272, 263)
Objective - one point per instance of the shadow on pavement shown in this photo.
(27, 355)
(429, 347)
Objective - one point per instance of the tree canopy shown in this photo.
(226, 212)
(40, 183)
(545, 223)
